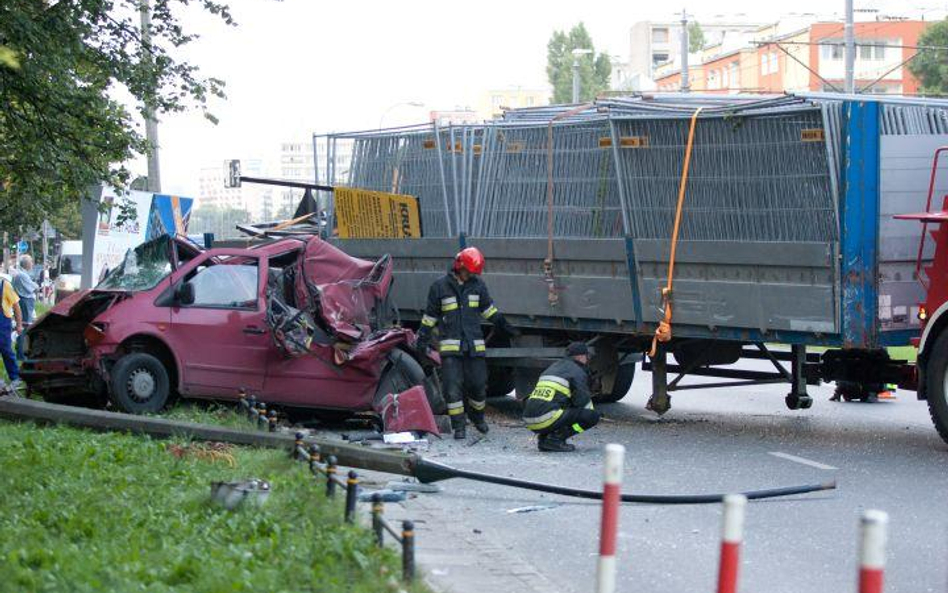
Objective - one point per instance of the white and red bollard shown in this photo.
(609, 530)
(872, 541)
(731, 538)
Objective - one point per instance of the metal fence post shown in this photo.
(262, 418)
(273, 421)
(297, 443)
(408, 551)
(251, 407)
(378, 508)
(331, 476)
(352, 488)
(313, 457)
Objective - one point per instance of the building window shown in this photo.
(774, 63)
(659, 58)
(529, 101)
(880, 51)
(865, 52)
(832, 52)
(735, 81)
(660, 35)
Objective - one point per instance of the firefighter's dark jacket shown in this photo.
(563, 385)
(458, 310)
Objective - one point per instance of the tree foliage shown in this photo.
(930, 66)
(594, 69)
(62, 64)
(696, 38)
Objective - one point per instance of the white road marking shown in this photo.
(802, 460)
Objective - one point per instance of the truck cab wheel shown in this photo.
(937, 371)
(139, 384)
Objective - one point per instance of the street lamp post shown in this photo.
(391, 107)
(576, 53)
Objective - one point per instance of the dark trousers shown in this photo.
(6, 347)
(572, 422)
(26, 307)
(464, 377)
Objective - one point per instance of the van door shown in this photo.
(221, 337)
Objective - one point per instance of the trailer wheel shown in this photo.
(139, 384)
(937, 370)
(625, 374)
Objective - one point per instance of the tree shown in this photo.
(594, 69)
(695, 37)
(930, 66)
(61, 62)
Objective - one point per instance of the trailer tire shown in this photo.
(625, 374)
(937, 371)
(139, 384)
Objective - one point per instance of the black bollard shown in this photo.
(273, 421)
(251, 407)
(331, 476)
(313, 457)
(297, 443)
(408, 551)
(262, 421)
(352, 489)
(378, 508)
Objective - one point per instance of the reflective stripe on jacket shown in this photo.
(458, 310)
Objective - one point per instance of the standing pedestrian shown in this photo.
(458, 303)
(561, 406)
(26, 288)
(10, 318)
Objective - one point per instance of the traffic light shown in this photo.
(233, 174)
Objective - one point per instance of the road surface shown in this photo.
(884, 455)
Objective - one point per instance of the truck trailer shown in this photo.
(787, 235)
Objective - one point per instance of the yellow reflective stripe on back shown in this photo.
(489, 312)
(544, 421)
(428, 321)
(578, 428)
(555, 387)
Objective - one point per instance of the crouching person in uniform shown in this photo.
(560, 406)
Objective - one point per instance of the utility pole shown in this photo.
(151, 124)
(685, 82)
(850, 82)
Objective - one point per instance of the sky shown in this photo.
(298, 67)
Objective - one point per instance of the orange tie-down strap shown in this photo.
(664, 331)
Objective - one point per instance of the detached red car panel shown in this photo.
(295, 322)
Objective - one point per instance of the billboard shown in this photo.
(113, 223)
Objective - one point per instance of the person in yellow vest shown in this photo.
(10, 318)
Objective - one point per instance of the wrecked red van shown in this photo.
(294, 321)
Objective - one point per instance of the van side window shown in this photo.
(231, 286)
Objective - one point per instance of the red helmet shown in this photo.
(471, 259)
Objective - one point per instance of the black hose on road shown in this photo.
(432, 471)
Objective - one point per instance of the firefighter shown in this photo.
(458, 303)
(561, 405)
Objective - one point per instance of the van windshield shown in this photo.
(142, 269)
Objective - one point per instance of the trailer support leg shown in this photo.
(660, 402)
(798, 398)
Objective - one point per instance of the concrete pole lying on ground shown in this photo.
(872, 541)
(731, 537)
(609, 529)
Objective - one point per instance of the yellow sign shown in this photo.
(364, 214)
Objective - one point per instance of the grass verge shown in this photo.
(85, 511)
